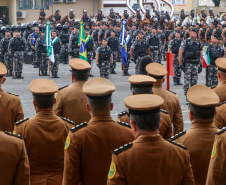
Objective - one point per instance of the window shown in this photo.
(33, 4)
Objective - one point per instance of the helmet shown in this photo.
(40, 26)
(8, 27)
(138, 10)
(57, 10)
(29, 24)
(65, 26)
(18, 27)
(99, 10)
(211, 9)
(35, 23)
(182, 10)
(51, 27)
(125, 10)
(41, 8)
(147, 9)
(203, 10)
(24, 26)
(111, 9)
(3, 28)
(13, 27)
(192, 9)
(71, 10)
(157, 12)
(59, 26)
(1, 22)
(85, 11)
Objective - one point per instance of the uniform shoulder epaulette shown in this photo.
(124, 124)
(222, 103)
(67, 120)
(171, 91)
(77, 127)
(177, 144)
(123, 113)
(221, 131)
(21, 121)
(164, 111)
(213, 87)
(177, 135)
(13, 94)
(11, 134)
(60, 88)
(122, 148)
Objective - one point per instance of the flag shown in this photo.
(206, 56)
(123, 43)
(169, 59)
(51, 3)
(82, 42)
(33, 39)
(48, 42)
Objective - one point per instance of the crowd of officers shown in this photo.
(73, 139)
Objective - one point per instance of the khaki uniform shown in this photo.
(44, 135)
(165, 129)
(172, 105)
(88, 150)
(10, 112)
(217, 167)
(14, 168)
(199, 141)
(151, 160)
(220, 90)
(71, 103)
(220, 117)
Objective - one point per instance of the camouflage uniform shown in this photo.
(154, 43)
(113, 43)
(65, 42)
(108, 33)
(95, 41)
(167, 34)
(54, 67)
(17, 47)
(191, 58)
(4, 43)
(73, 44)
(211, 70)
(161, 49)
(104, 60)
(89, 47)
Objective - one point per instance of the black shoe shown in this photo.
(179, 82)
(113, 72)
(90, 75)
(56, 76)
(20, 76)
(35, 66)
(127, 74)
(45, 73)
(174, 81)
(187, 102)
(9, 73)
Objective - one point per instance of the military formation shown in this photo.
(72, 138)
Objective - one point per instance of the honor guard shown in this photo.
(57, 16)
(71, 17)
(99, 136)
(17, 47)
(11, 109)
(73, 43)
(57, 48)
(104, 59)
(4, 45)
(138, 50)
(70, 100)
(171, 100)
(191, 53)
(128, 46)
(174, 46)
(215, 52)
(113, 43)
(49, 132)
(85, 17)
(42, 16)
(41, 50)
(128, 159)
(200, 137)
(65, 42)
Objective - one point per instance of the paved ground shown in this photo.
(20, 87)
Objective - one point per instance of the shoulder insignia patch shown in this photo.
(177, 135)
(124, 124)
(214, 150)
(184, 147)
(222, 103)
(164, 111)
(60, 88)
(67, 120)
(77, 127)
(221, 131)
(171, 91)
(21, 121)
(12, 94)
(213, 87)
(11, 134)
(123, 113)
(122, 148)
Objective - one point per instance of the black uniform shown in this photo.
(113, 43)
(65, 41)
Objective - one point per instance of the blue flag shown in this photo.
(51, 3)
(33, 39)
(123, 43)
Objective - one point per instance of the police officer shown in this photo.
(13, 28)
(113, 43)
(111, 16)
(138, 50)
(211, 14)
(89, 47)
(71, 17)
(147, 15)
(99, 17)
(167, 33)
(154, 44)
(4, 45)
(158, 16)
(59, 29)
(125, 15)
(163, 43)
(4, 20)
(108, 31)
(103, 59)
(42, 16)
(192, 13)
(57, 48)
(65, 41)
(182, 16)
(57, 16)
(215, 52)
(174, 46)
(41, 50)
(17, 47)
(218, 31)
(73, 43)
(209, 33)
(191, 53)
(128, 45)
(85, 17)
(28, 31)
(138, 17)
(202, 33)
(203, 16)
(95, 39)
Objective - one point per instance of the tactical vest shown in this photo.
(75, 42)
(192, 15)
(162, 37)
(18, 44)
(85, 18)
(89, 45)
(154, 42)
(42, 46)
(5, 44)
(215, 53)
(140, 49)
(117, 34)
(57, 17)
(112, 15)
(209, 34)
(56, 47)
(104, 54)
(212, 14)
(167, 34)
(218, 33)
(191, 51)
(27, 33)
(99, 17)
(203, 33)
(176, 46)
(113, 43)
(43, 14)
(182, 16)
(95, 35)
(102, 34)
(148, 16)
(109, 33)
(126, 15)
(138, 17)
(72, 16)
(64, 37)
(203, 15)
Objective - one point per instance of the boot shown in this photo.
(187, 102)
(53, 75)
(179, 82)
(127, 74)
(113, 72)
(20, 76)
(9, 73)
(42, 73)
(56, 76)
(45, 73)
(35, 65)
(174, 81)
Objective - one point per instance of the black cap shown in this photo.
(127, 29)
(177, 31)
(215, 35)
(153, 27)
(43, 31)
(129, 25)
(219, 23)
(86, 29)
(140, 32)
(113, 31)
(193, 29)
(77, 27)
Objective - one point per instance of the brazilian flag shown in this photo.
(82, 42)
